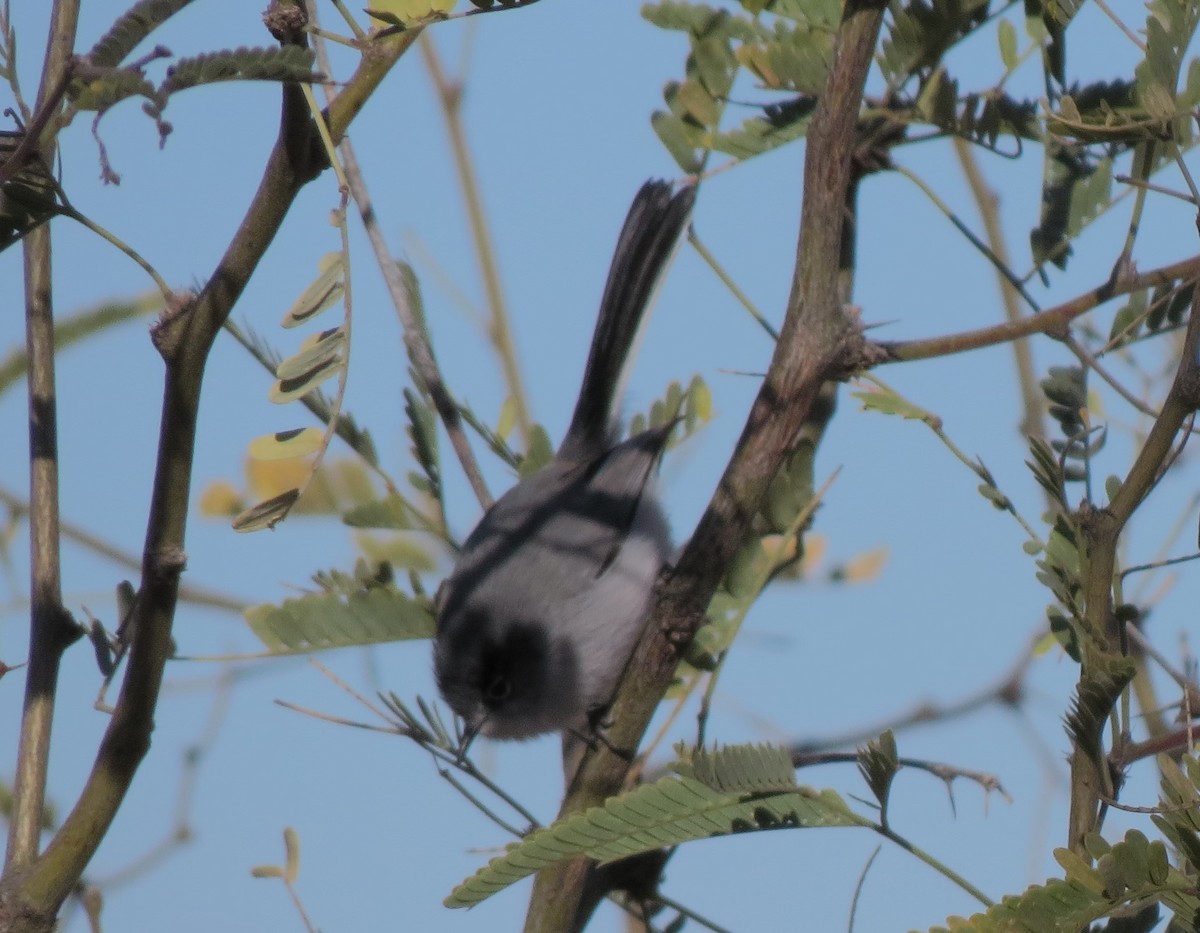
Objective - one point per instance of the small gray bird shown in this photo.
(541, 612)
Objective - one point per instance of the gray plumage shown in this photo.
(538, 618)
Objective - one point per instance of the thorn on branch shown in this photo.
(167, 332)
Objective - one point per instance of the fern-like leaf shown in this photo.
(793, 58)
(1129, 879)
(878, 762)
(922, 32)
(779, 124)
(110, 90)
(744, 769)
(1170, 26)
(668, 812)
(286, 63)
(318, 621)
(1097, 693)
(131, 28)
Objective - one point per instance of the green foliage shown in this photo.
(1170, 26)
(982, 117)
(316, 401)
(1100, 686)
(1048, 470)
(691, 406)
(922, 32)
(491, 437)
(362, 609)
(131, 28)
(879, 763)
(103, 91)
(1179, 819)
(422, 432)
(286, 63)
(668, 812)
(1066, 390)
(539, 452)
(1128, 878)
(1152, 309)
(789, 51)
(320, 357)
(1059, 571)
(1126, 881)
(741, 769)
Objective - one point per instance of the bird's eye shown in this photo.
(497, 689)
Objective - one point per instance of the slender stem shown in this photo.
(51, 628)
(1052, 322)
(988, 203)
(730, 284)
(67, 211)
(197, 595)
(998, 264)
(690, 914)
(416, 335)
(450, 97)
(1089, 361)
(938, 866)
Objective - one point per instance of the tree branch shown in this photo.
(184, 336)
(1102, 528)
(1052, 322)
(51, 626)
(816, 343)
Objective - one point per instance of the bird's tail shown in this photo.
(652, 230)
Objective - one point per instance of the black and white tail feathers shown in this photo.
(648, 240)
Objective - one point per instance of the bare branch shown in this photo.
(51, 627)
(816, 343)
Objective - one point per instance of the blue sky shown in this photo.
(557, 107)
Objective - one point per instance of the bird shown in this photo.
(551, 590)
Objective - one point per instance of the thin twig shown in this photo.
(196, 595)
(1052, 322)
(1007, 691)
(1190, 691)
(416, 337)
(989, 254)
(690, 914)
(449, 94)
(988, 204)
(730, 284)
(945, 772)
(858, 887)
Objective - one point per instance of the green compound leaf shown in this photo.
(131, 28)
(336, 620)
(669, 811)
(922, 32)
(286, 63)
(114, 87)
(1129, 879)
(744, 769)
